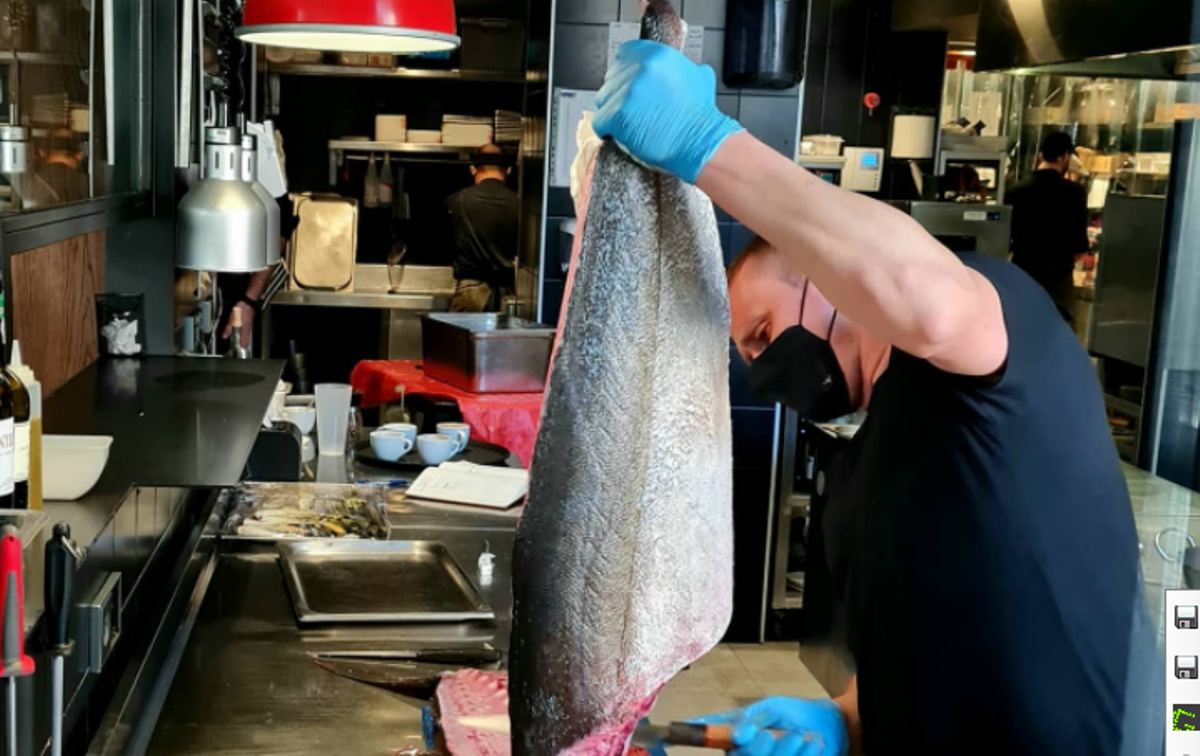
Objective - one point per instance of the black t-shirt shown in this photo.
(1049, 226)
(485, 218)
(981, 536)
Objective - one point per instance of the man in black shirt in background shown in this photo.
(484, 219)
(1050, 221)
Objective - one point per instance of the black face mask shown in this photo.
(801, 370)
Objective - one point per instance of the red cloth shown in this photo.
(510, 420)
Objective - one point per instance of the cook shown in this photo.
(485, 218)
(980, 533)
(1050, 222)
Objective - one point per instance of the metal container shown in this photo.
(324, 244)
(487, 353)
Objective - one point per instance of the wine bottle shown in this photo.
(7, 426)
(22, 415)
(18, 368)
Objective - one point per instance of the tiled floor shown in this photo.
(732, 676)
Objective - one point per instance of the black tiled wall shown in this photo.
(853, 51)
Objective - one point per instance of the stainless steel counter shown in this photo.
(247, 683)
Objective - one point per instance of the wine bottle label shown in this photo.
(21, 453)
(7, 448)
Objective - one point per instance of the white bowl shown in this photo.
(72, 465)
(303, 418)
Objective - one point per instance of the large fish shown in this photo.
(623, 560)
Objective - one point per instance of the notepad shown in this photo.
(467, 483)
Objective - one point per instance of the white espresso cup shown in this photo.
(460, 432)
(436, 448)
(408, 429)
(390, 445)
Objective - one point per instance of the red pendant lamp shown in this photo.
(385, 26)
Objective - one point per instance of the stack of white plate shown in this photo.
(422, 136)
(467, 131)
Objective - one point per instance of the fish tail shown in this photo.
(661, 23)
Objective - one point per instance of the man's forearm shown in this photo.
(871, 261)
(258, 284)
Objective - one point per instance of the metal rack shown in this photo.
(401, 152)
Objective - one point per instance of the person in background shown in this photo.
(1050, 221)
(249, 304)
(485, 219)
(244, 292)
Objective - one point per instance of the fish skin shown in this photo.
(623, 559)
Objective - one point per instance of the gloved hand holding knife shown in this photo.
(782, 726)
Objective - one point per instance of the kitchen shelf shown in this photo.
(400, 147)
(367, 72)
(40, 59)
(446, 154)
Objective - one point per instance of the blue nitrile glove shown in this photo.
(662, 108)
(814, 728)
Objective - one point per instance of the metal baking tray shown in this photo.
(378, 582)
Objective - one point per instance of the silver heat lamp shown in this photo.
(250, 176)
(222, 222)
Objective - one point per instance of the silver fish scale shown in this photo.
(623, 561)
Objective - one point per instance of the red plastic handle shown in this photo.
(12, 604)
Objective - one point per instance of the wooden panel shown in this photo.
(54, 303)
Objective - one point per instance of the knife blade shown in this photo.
(416, 681)
(449, 656)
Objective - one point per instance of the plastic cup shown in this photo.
(333, 418)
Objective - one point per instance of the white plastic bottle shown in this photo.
(386, 182)
(371, 188)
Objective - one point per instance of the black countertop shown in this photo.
(178, 422)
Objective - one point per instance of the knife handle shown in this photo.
(714, 737)
(14, 662)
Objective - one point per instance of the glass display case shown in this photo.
(74, 105)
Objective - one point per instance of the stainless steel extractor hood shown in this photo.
(1159, 39)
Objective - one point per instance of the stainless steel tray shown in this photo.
(378, 582)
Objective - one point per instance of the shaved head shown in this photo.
(766, 260)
